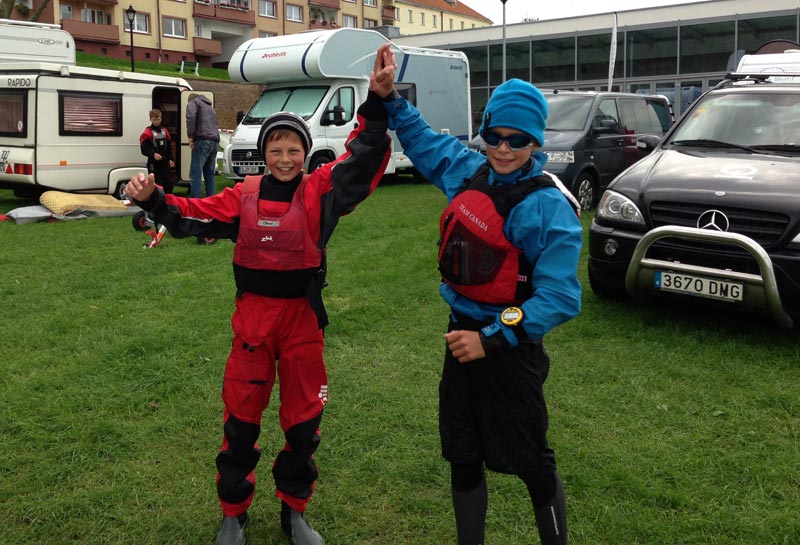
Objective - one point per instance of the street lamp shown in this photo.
(504, 40)
(131, 14)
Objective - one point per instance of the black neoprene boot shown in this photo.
(232, 530)
(296, 526)
(470, 510)
(551, 519)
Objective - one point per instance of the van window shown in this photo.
(302, 101)
(642, 116)
(568, 112)
(13, 113)
(89, 114)
(346, 98)
(607, 115)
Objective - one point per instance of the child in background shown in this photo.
(156, 144)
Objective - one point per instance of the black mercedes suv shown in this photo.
(713, 213)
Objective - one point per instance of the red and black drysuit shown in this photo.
(280, 230)
(157, 140)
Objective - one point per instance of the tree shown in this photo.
(7, 7)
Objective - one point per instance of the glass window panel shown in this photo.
(90, 114)
(652, 52)
(754, 32)
(13, 113)
(478, 66)
(479, 98)
(553, 60)
(707, 47)
(593, 56)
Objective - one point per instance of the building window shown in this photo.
(462, 25)
(754, 32)
(411, 16)
(433, 21)
(263, 34)
(422, 19)
(370, 23)
(141, 23)
(267, 8)
(553, 60)
(96, 16)
(373, 3)
(652, 52)
(349, 21)
(451, 24)
(174, 28)
(707, 46)
(89, 114)
(351, 1)
(294, 13)
(66, 12)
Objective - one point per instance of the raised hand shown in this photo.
(381, 79)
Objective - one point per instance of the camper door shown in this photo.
(186, 151)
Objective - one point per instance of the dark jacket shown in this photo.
(201, 120)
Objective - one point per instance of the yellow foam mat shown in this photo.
(64, 203)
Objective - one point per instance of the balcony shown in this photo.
(232, 13)
(335, 4)
(387, 13)
(321, 25)
(91, 32)
(105, 2)
(203, 47)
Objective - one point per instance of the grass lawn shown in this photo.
(671, 427)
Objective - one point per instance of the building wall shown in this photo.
(415, 18)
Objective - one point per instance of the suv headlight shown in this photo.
(616, 206)
(560, 156)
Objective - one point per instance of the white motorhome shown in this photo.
(72, 128)
(323, 75)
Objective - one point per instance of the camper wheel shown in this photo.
(119, 192)
(318, 160)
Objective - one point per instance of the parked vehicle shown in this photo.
(713, 213)
(324, 76)
(72, 128)
(591, 136)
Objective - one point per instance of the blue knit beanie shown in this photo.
(517, 104)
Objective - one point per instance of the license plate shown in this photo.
(248, 170)
(698, 286)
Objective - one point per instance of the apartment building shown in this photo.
(208, 31)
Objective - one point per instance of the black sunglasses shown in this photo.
(515, 141)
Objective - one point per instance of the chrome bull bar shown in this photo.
(761, 289)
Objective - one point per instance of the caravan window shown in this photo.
(408, 91)
(89, 114)
(13, 113)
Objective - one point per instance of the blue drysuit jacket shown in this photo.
(543, 225)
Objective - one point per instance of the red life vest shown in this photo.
(280, 243)
(475, 257)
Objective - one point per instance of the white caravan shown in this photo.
(77, 129)
(323, 75)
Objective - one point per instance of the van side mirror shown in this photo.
(606, 126)
(334, 116)
(647, 142)
(239, 116)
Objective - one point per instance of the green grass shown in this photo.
(670, 426)
(162, 69)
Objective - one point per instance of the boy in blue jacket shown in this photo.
(508, 256)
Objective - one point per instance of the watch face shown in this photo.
(511, 316)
